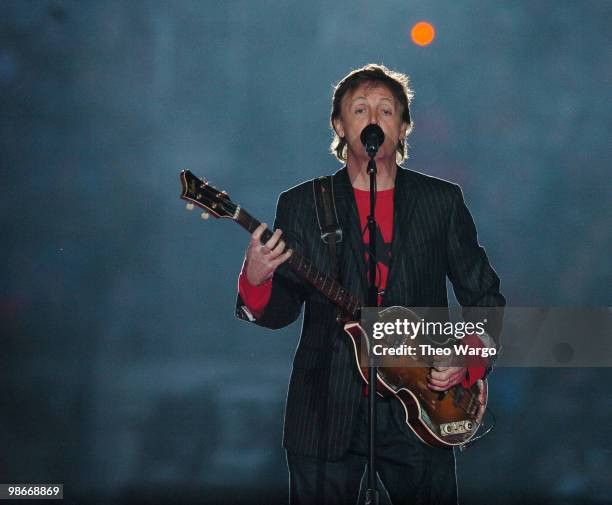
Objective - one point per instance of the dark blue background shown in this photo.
(123, 373)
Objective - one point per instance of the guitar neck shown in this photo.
(305, 269)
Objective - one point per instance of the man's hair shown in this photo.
(398, 84)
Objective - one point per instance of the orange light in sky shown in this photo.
(422, 33)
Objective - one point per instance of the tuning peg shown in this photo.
(224, 192)
(189, 206)
(205, 215)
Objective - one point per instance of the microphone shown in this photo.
(372, 137)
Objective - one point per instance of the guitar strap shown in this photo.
(331, 234)
(325, 205)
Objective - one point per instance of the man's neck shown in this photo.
(386, 171)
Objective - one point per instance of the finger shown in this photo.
(256, 236)
(434, 374)
(272, 241)
(438, 381)
(441, 368)
(454, 373)
(447, 378)
(454, 378)
(438, 385)
(278, 250)
(444, 385)
(436, 388)
(282, 258)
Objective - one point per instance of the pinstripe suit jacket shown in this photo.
(433, 237)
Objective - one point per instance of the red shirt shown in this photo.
(384, 221)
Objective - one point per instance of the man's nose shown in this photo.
(373, 117)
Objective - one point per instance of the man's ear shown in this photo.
(338, 127)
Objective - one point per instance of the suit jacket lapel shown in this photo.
(404, 200)
(352, 259)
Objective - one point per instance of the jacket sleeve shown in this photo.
(288, 291)
(475, 283)
(254, 297)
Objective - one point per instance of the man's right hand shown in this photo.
(263, 259)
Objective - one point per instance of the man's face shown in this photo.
(370, 103)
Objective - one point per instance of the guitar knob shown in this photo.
(205, 215)
(189, 206)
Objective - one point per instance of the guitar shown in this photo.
(441, 419)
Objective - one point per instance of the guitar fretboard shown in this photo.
(307, 271)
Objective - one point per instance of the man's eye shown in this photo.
(388, 112)
(359, 111)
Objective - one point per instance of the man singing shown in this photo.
(425, 235)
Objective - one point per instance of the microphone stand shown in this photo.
(372, 491)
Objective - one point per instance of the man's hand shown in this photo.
(441, 378)
(263, 259)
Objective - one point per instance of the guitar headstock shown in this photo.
(199, 192)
